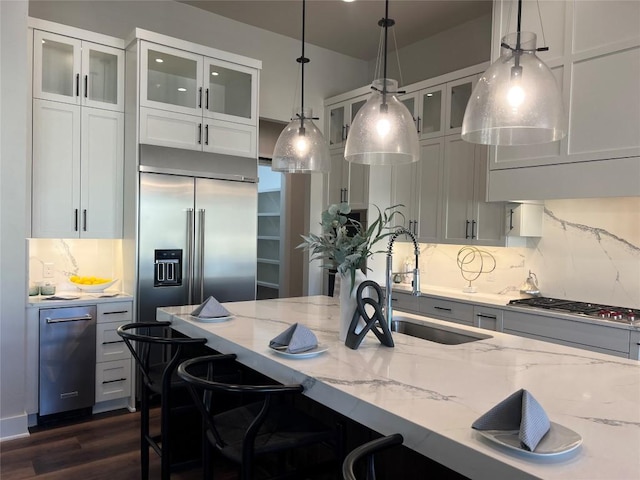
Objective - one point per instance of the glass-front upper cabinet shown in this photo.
(337, 126)
(230, 92)
(432, 117)
(73, 71)
(458, 94)
(171, 79)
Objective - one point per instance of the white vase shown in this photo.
(348, 301)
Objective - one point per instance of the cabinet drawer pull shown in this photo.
(116, 312)
(490, 317)
(111, 343)
(114, 381)
(444, 309)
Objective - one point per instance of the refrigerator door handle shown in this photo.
(201, 253)
(189, 266)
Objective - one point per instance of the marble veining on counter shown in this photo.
(432, 393)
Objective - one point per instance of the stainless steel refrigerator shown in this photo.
(196, 238)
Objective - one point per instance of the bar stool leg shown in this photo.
(144, 434)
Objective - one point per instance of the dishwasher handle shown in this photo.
(85, 318)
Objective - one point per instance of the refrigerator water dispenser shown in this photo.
(168, 268)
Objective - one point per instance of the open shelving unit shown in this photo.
(269, 243)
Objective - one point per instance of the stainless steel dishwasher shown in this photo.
(67, 359)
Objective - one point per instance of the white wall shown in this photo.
(13, 207)
(459, 47)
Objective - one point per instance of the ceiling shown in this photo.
(350, 28)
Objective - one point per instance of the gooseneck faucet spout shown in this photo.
(416, 272)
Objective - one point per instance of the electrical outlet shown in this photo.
(47, 270)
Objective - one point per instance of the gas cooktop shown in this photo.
(606, 312)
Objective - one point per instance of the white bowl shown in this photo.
(100, 287)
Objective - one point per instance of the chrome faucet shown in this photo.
(416, 272)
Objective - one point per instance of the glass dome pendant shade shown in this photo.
(517, 100)
(383, 132)
(301, 148)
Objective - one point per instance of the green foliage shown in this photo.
(348, 251)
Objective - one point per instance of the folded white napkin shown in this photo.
(520, 411)
(297, 338)
(210, 308)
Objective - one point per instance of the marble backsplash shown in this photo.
(90, 257)
(589, 251)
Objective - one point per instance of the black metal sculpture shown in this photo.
(376, 322)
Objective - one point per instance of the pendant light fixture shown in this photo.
(517, 100)
(383, 132)
(301, 148)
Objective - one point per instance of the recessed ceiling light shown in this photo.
(182, 89)
(348, 1)
(159, 60)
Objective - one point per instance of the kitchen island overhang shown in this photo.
(432, 393)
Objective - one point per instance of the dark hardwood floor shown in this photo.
(106, 447)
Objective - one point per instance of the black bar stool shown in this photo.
(366, 451)
(157, 379)
(256, 430)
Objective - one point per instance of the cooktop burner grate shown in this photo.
(607, 312)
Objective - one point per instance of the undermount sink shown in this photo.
(438, 334)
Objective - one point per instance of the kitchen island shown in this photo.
(432, 393)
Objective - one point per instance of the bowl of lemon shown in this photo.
(92, 284)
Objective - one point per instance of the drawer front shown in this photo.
(487, 317)
(578, 333)
(404, 302)
(447, 310)
(113, 380)
(115, 312)
(109, 345)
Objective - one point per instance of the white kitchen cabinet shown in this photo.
(192, 101)
(348, 182)
(417, 186)
(78, 72)
(114, 373)
(564, 331)
(428, 109)
(458, 94)
(594, 52)
(467, 218)
(77, 177)
(340, 118)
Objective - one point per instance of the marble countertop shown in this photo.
(453, 294)
(432, 393)
(81, 298)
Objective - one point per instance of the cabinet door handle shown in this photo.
(77, 84)
(199, 134)
(419, 120)
(415, 227)
(444, 309)
(113, 381)
(75, 228)
(473, 229)
(346, 132)
(510, 219)
(86, 86)
(466, 229)
(206, 134)
(200, 97)
(84, 220)
(411, 225)
(206, 99)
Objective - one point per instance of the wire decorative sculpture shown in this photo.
(473, 262)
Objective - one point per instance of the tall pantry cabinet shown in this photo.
(78, 133)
